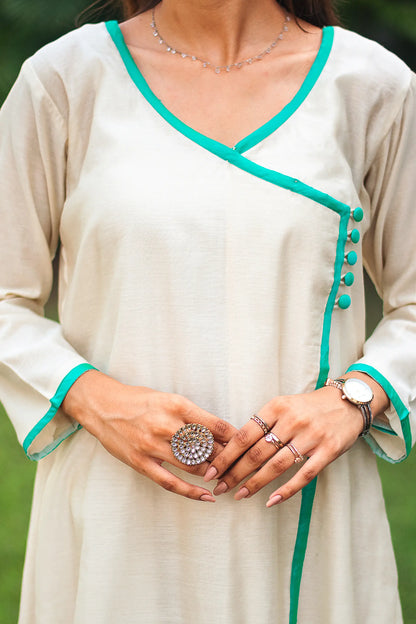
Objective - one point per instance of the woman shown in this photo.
(217, 174)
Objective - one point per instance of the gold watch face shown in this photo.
(357, 391)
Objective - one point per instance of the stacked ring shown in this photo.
(265, 427)
(271, 437)
(298, 456)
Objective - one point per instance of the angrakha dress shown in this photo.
(229, 276)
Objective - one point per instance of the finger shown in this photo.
(172, 483)
(166, 454)
(305, 475)
(276, 466)
(220, 429)
(242, 440)
(252, 459)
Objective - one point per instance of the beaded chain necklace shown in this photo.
(219, 68)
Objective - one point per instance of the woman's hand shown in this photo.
(320, 425)
(136, 424)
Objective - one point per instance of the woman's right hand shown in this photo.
(136, 424)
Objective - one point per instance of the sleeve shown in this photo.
(37, 364)
(389, 252)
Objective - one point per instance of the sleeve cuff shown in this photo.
(55, 426)
(394, 442)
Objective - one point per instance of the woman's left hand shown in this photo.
(320, 425)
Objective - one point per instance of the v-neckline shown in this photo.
(212, 145)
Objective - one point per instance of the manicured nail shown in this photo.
(242, 493)
(208, 498)
(221, 488)
(273, 500)
(210, 473)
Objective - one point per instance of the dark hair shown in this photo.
(317, 12)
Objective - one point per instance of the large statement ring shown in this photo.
(270, 437)
(298, 456)
(261, 423)
(192, 444)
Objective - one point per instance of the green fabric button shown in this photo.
(349, 279)
(344, 302)
(351, 257)
(355, 236)
(358, 214)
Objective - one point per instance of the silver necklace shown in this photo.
(219, 68)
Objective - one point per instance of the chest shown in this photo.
(227, 106)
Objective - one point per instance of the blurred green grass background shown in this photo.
(25, 25)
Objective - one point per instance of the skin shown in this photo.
(136, 424)
(320, 425)
(228, 106)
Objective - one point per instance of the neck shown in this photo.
(222, 30)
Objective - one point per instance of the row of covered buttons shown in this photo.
(344, 301)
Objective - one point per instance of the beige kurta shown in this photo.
(219, 274)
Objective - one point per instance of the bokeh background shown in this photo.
(26, 25)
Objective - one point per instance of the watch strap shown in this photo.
(336, 383)
(367, 418)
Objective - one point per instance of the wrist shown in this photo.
(358, 395)
(380, 401)
(350, 413)
(363, 393)
(83, 400)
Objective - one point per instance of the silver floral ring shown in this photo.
(192, 444)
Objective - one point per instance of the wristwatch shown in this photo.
(358, 393)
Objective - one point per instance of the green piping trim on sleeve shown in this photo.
(384, 429)
(211, 145)
(53, 445)
(308, 492)
(377, 450)
(56, 402)
(398, 405)
(311, 79)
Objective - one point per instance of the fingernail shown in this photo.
(242, 493)
(221, 488)
(208, 498)
(210, 473)
(273, 500)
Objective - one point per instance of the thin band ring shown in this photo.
(265, 427)
(298, 456)
(271, 437)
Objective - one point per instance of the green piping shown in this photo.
(308, 496)
(221, 150)
(398, 405)
(308, 492)
(311, 79)
(56, 402)
(339, 262)
(211, 145)
(291, 184)
(53, 445)
(384, 429)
